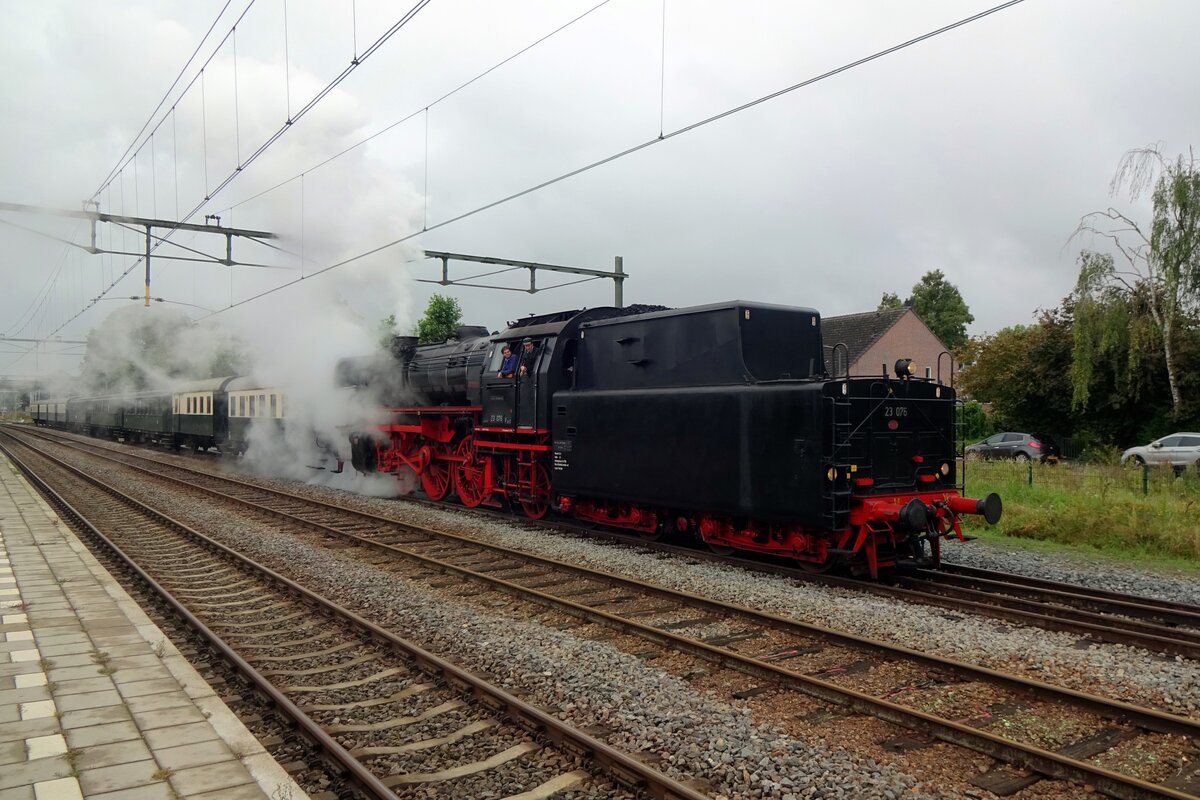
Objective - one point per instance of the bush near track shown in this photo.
(1100, 507)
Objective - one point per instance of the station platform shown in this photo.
(95, 701)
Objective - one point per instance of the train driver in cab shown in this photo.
(509, 368)
(528, 356)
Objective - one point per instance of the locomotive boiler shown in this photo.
(717, 422)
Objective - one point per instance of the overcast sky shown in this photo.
(975, 152)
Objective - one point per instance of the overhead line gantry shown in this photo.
(149, 225)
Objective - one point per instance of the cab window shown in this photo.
(497, 358)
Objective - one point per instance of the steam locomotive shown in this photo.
(718, 422)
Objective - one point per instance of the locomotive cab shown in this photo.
(516, 402)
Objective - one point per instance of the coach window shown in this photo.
(274, 405)
(252, 405)
(262, 404)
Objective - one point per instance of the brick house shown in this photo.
(876, 339)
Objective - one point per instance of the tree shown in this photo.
(135, 349)
(441, 320)
(889, 301)
(385, 330)
(975, 423)
(229, 358)
(1157, 272)
(1022, 371)
(940, 306)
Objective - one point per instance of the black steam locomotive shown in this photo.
(718, 422)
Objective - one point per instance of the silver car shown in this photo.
(1179, 450)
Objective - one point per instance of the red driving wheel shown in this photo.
(436, 478)
(469, 475)
(535, 500)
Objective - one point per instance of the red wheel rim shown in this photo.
(536, 501)
(468, 475)
(436, 479)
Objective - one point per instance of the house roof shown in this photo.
(857, 331)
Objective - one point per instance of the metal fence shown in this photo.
(1092, 479)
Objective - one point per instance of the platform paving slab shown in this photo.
(95, 701)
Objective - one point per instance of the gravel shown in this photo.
(1093, 570)
(588, 683)
(1124, 673)
(646, 709)
(593, 684)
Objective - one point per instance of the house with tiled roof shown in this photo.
(875, 340)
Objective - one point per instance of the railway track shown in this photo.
(369, 701)
(918, 691)
(1156, 625)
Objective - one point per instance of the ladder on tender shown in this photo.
(835, 494)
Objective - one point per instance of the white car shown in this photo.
(1179, 450)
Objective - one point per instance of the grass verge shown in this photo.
(1120, 512)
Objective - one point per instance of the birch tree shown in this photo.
(1159, 266)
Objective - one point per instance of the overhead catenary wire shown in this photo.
(635, 149)
(288, 124)
(423, 109)
(121, 161)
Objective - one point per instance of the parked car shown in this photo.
(1179, 450)
(1018, 446)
